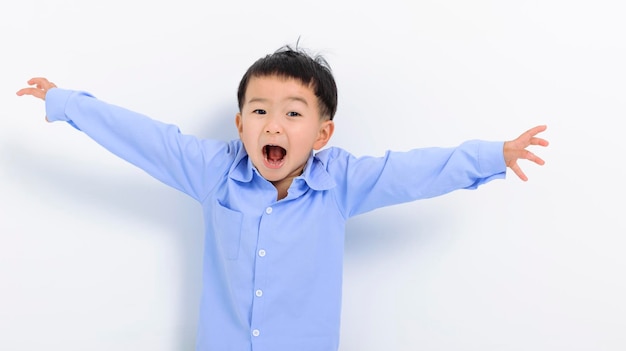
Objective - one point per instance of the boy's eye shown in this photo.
(259, 111)
(293, 114)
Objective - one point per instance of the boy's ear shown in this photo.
(326, 131)
(239, 123)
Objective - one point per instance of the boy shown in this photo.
(275, 206)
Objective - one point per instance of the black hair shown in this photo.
(296, 63)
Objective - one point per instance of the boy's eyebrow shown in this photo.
(289, 98)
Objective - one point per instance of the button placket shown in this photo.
(261, 252)
(266, 227)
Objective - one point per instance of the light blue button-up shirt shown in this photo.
(272, 270)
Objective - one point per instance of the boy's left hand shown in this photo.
(40, 89)
(516, 149)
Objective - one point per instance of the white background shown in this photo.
(96, 255)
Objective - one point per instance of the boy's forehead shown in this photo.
(269, 86)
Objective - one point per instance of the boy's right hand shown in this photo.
(40, 89)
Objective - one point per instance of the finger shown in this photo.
(518, 171)
(535, 130)
(37, 81)
(45, 85)
(533, 158)
(41, 83)
(32, 91)
(539, 141)
(528, 138)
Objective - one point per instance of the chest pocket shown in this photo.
(228, 230)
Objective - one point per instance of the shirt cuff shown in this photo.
(56, 100)
(491, 157)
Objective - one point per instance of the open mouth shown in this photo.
(274, 155)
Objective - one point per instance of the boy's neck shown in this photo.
(282, 187)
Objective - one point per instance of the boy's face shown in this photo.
(279, 125)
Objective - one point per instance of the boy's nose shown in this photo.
(273, 126)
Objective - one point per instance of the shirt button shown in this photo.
(259, 293)
(262, 253)
(268, 210)
(256, 332)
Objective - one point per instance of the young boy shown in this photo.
(274, 203)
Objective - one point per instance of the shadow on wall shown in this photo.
(99, 189)
(63, 182)
(389, 231)
(220, 125)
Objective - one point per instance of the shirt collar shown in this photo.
(241, 169)
(314, 174)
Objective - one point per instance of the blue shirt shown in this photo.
(272, 270)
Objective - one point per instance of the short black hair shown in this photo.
(296, 63)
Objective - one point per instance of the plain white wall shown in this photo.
(96, 255)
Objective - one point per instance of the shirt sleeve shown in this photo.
(184, 162)
(367, 183)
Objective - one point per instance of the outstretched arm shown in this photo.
(184, 162)
(516, 149)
